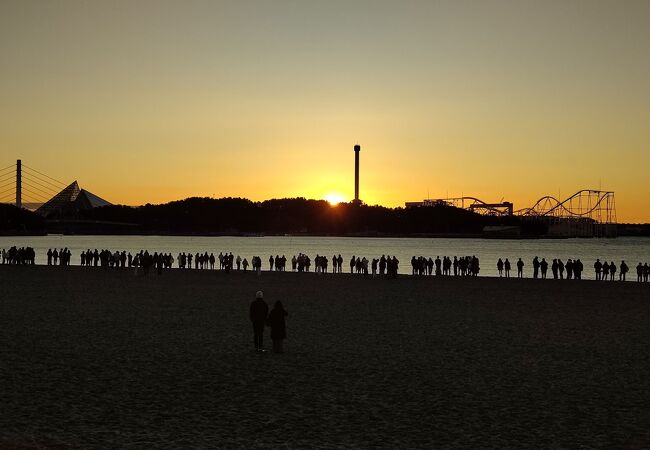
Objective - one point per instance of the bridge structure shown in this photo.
(26, 187)
(588, 212)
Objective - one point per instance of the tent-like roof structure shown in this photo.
(71, 199)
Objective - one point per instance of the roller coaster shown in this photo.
(588, 212)
(599, 206)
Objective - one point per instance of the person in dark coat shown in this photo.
(278, 326)
(258, 313)
(623, 270)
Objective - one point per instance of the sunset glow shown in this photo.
(334, 198)
(497, 100)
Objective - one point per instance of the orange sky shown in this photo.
(152, 101)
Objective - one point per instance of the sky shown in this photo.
(152, 101)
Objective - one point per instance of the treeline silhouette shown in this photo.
(294, 215)
(634, 229)
(202, 215)
(20, 221)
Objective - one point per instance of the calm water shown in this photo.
(632, 250)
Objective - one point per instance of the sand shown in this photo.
(102, 359)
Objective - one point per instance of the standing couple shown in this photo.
(260, 317)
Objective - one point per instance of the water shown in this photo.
(631, 249)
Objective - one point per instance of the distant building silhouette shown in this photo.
(71, 199)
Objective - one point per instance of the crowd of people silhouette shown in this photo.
(461, 266)
(279, 262)
(144, 261)
(300, 263)
(21, 256)
(573, 269)
(59, 257)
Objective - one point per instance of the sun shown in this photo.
(334, 198)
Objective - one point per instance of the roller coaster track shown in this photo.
(586, 203)
(473, 204)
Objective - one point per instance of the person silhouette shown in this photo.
(535, 267)
(506, 266)
(543, 267)
(605, 270)
(577, 269)
(520, 268)
(278, 326)
(598, 267)
(258, 313)
(612, 271)
(624, 268)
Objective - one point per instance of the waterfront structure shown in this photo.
(72, 199)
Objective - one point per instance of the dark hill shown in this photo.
(20, 221)
(294, 215)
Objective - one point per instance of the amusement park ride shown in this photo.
(588, 212)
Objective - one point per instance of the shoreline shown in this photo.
(404, 275)
(362, 236)
(631, 278)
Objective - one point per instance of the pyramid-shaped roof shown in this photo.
(93, 200)
(72, 198)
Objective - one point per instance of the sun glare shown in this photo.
(334, 198)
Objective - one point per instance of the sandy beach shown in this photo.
(102, 359)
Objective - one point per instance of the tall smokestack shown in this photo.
(19, 182)
(357, 149)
